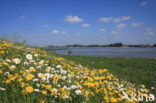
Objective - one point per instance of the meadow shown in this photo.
(34, 75)
(135, 70)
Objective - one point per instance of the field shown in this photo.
(135, 70)
(33, 75)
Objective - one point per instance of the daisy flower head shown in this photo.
(16, 61)
(29, 57)
(78, 92)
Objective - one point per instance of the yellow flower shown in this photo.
(1, 71)
(24, 92)
(42, 101)
(86, 93)
(53, 91)
(113, 100)
(23, 84)
(48, 87)
(29, 89)
(44, 92)
(56, 78)
(20, 79)
(0, 64)
(32, 69)
(29, 77)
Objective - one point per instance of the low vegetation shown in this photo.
(33, 75)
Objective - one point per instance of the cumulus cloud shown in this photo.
(55, 31)
(124, 18)
(150, 33)
(64, 32)
(45, 26)
(115, 20)
(120, 26)
(114, 32)
(73, 19)
(22, 16)
(136, 24)
(105, 19)
(143, 3)
(148, 29)
(59, 32)
(103, 30)
(86, 25)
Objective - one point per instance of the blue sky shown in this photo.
(62, 22)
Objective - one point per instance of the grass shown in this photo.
(134, 70)
(32, 75)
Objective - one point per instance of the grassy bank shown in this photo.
(135, 70)
(33, 75)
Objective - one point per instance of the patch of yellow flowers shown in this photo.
(31, 75)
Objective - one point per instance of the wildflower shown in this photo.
(58, 66)
(36, 55)
(24, 92)
(78, 92)
(42, 101)
(20, 79)
(26, 63)
(54, 91)
(35, 79)
(73, 87)
(1, 71)
(36, 90)
(86, 93)
(6, 73)
(23, 84)
(29, 56)
(44, 92)
(29, 77)
(2, 89)
(16, 61)
(32, 69)
(12, 68)
(37, 85)
(48, 87)
(29, 89)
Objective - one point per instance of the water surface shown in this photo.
(112, 52)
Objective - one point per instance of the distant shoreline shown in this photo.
(65, 48)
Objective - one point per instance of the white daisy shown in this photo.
(16, 61)
(78, 92)
(29, 56)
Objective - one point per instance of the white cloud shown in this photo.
(124, 18)
(148, 29)
(150, 33)
(64, 32)
(86, 25)
(120, 26)
(143, 3)
(45, 26)
(22, 16)
(136, 24)
(103, 30)
(115, 20)
(114, 32)
(73, 19)
(55, 31)
(59, 32)
(105, 19)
